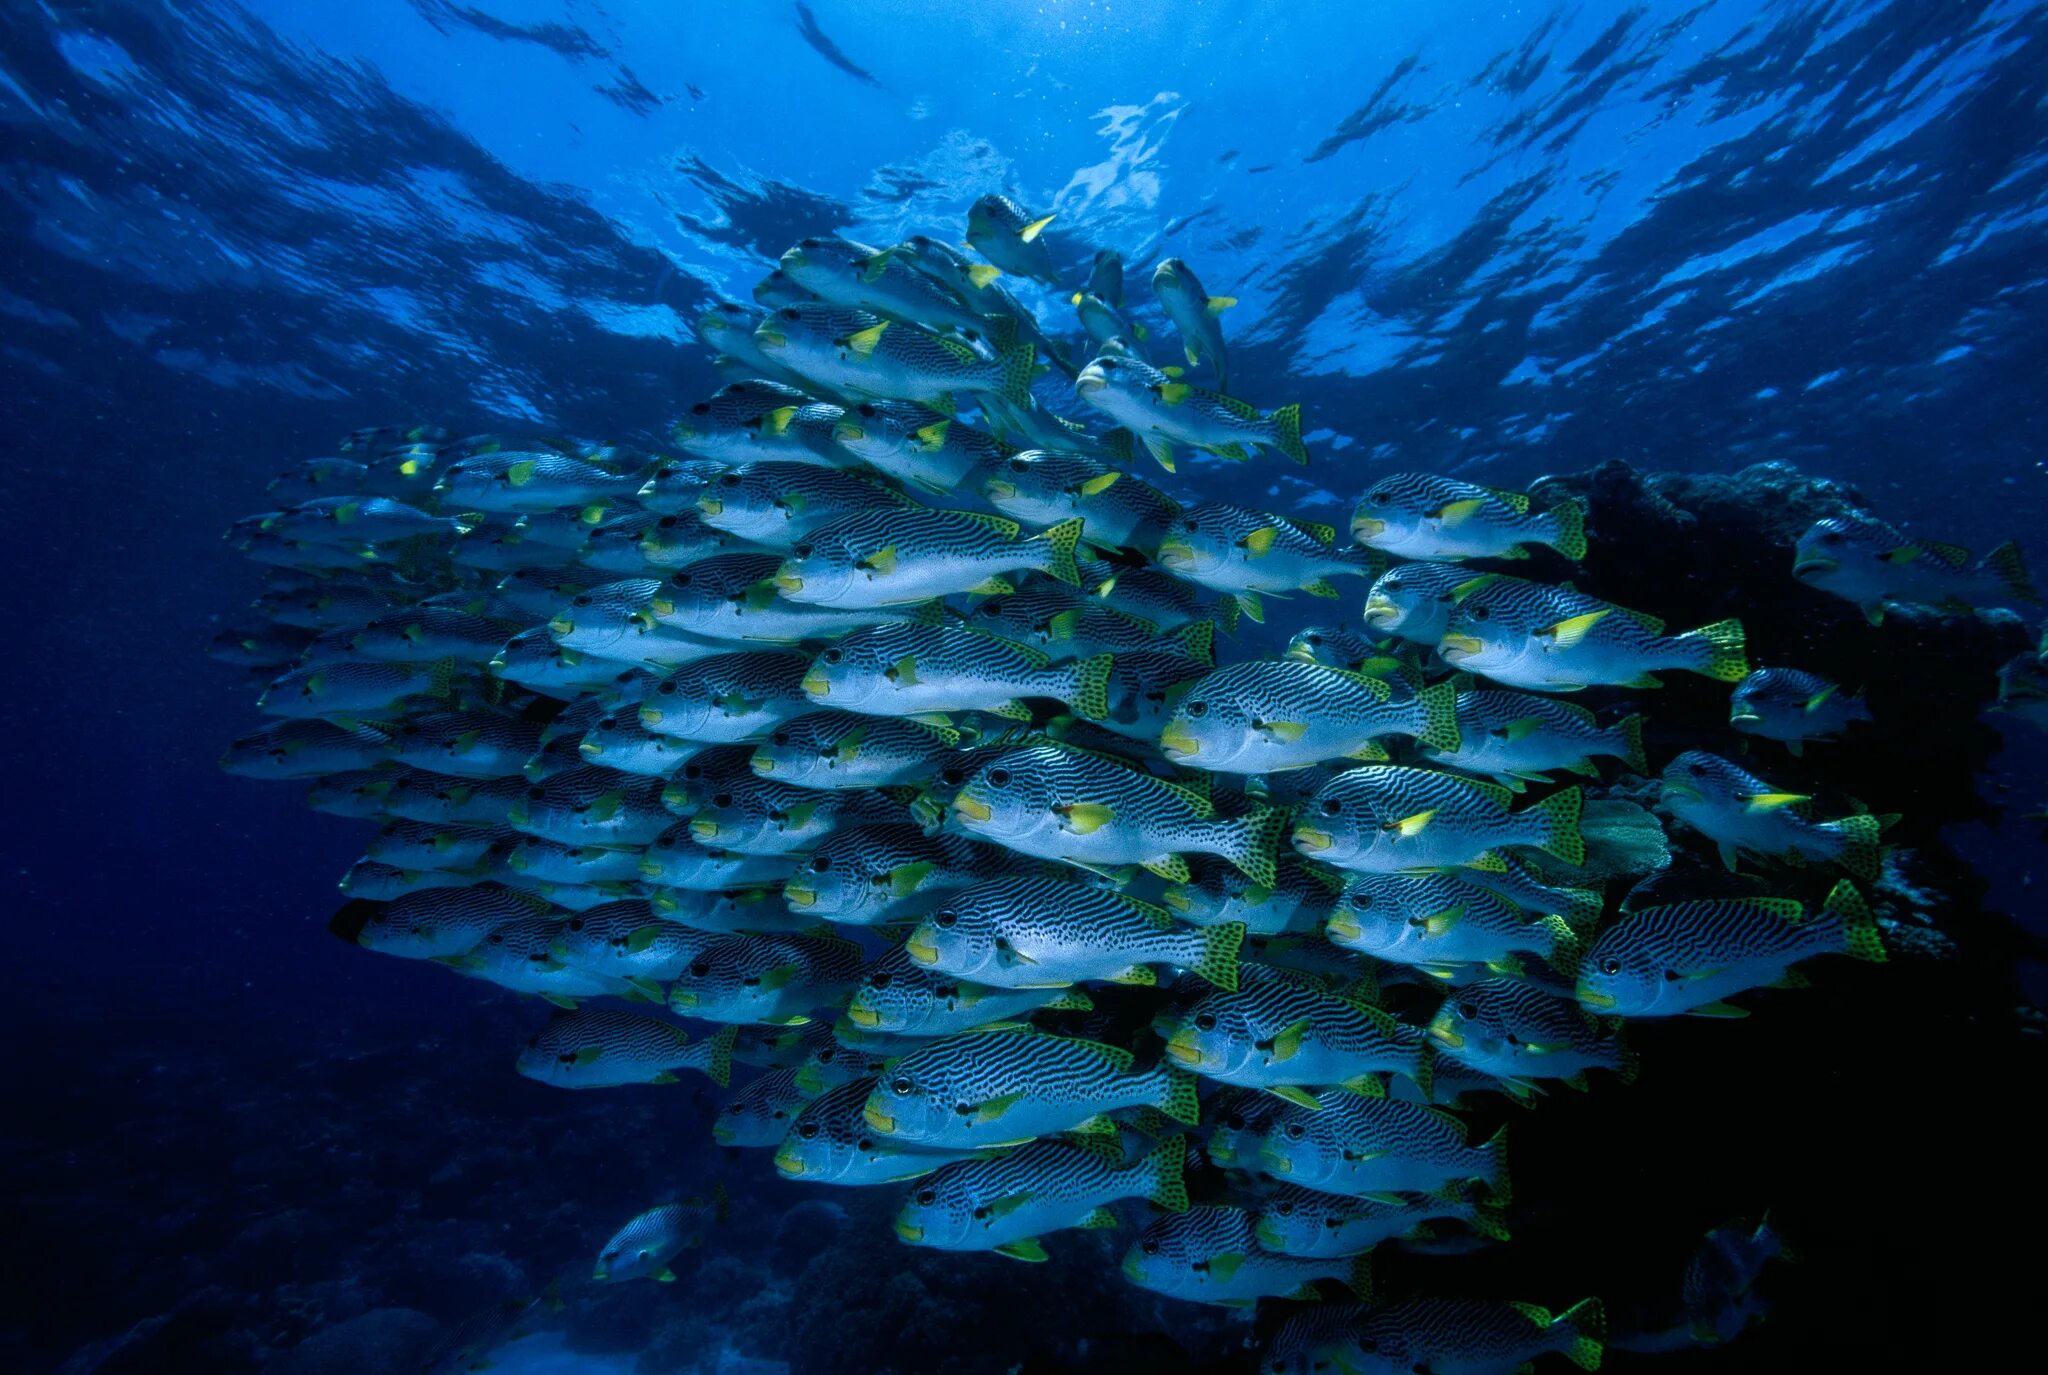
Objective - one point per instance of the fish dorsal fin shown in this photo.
(1467, 588)
(1378, 687)
(1008, 528)
(861, 344)
(958, 349)
(1197, 802)
(1035, 657)
(1030, 232)
(1492, 792)
(1243, 410)
(1953, 555)
(1517, 501)
(1582, 714)
(1653, 624)
(1116, 1056)
(1573, 629)
(1315, 530)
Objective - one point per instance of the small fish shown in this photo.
(1107, 329)
(917, 445)
(427, 925)
(1365, 1146)
(527, 860)
(1529, 635)
(592, 806)
(1520, 1033)
(1468, 1336)
(534, 482)
(1742, 814)
(727, 912)
(1039, 932)
(774, 504)
(1011, 237)
(988, 1088)
(1872, 564)
(843, 749)
(830, 1142)
(777, 289)
(1237, 1120)
(1162, 412)
(1441, 923)
(617, 740)
(744, 422)
(367, 878)
(931, 671)
(892, 557)
(1281, 1031)
(1248, 554)
(871, 875)
(729, 698)
(727, 329)
(306, 747)
(1041, 488)
(1386, 818)
(2023, 686)
(1302, 1222)
(1153, 596)
(596, 1047)
(418, 845)
(677, 483)
(774, 980)
(359, 520)
(677, 540)
(352, 688)
(1144, 686)
(1209, 1254)
(899, 996)
(855, 352)
(1792, 706)
(1340, 647)
(644, 1246)
(733, 599)
(1687, 957)
(318, 477)
(465, 744)
(845, 273)
(761, 1114)
(1221, 893)
(1423, 516)
(1264, 716)
(1518, 738)
(1196, 314)
(613, 547)
(1055, 803)
(676, 859)
(1005, 1204)
(520, 956)
(1065, 623)
(618, 621)
(629, 939)
(426, 634)
(1106, 276)
(431, 797)
(761, 816)
(273, 647)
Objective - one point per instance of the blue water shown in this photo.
(1501, 241)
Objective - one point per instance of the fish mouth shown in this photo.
(921, 949)
(862, 1016)
(1743, 718)
(1365, 527)
(846, 432)
(787, 582)
(703, 828)
(972, 810)
(788, 1161)
(589, 749)
(600, 1276)
(1442, 1032)
(1268, 1236)
(1380, 609)
(1673, 789)
(771, 338)
(651, 868)
(650, 716)
(1174, 551)
(710, 506)
(1092, 378)
(1134, 1270)
(684, 432)
(997, 490)
(816, 685)
(721, 1133)
(909, 1231)
(1809, 564)
(1309, 838)
(875, 1117)
(560, 626)
(1183, 1048)
(796, 895)
(681, 997)
(1274, 1162)
(1176, 897)
(1459, 646)
(1594, 998)
(1342, 928)
(1178, 742)
(760, 762)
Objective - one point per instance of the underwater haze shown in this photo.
(1023, 687)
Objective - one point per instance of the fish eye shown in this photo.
(833, 656)
(1467, 1010)
(952, 777)
(410, 728)
(699, 968)
(948, 917)
(1480, 613)
(867, 408)
(1696, 769)
(1831, 537)
(681, 580)
(666, 689)
(927, 1197)
(535, 794)
(1150, 1248)
(1205, 1022)
(1296, 1131)
(665, 841)
(780, 737)
(1418, 922)
(802, 551)
(608, 723)
(999, 778)
(729, 480)
(1610, 965)
(982, 1211)
(1314, 639)
(1393, 584)
(1284, 1208)
(1332, 807)
(807, 1130)
(901, 1085)
(701, 408)
(1381, 497)
(1018, 465)
(1198, 708)
(722, 800)
(666, 523)
(567, 1057)
(1672, 976)
(882, 980)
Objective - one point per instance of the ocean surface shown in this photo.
(1505, 242)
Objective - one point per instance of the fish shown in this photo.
(1744, 815)
(367, 878)
(317, 477)
(1517, 883)
(1196, 314)
(864, 355)
(680, 539)
(1388, 818)
(617, 621)
(1051, 802)
(1154, 596)
(592, 806)
(1294, 1221)
(1066, 624)
(417, 796)
(1520, 1033)
(520, 956)
(763, 817)
(1280, 1031)
(1011, 237)
(1689, 957)
(613, 547)
(1220, 893)
(1335, 646)
(465, 744)
(1268, 715)
(2023, 686)
(733, 600)
(1792, 706)
(882, 283)
(359, 520)
(1530, 635)
(617, 740)
(1423, 516)
(887, 872)
(1005, 1204)
(751, 420)
(676, 859)
(916, 445)
(750, 911)
(629, 939)
(1106, 276)
(713, 769)
(528, 860)
(1873, 565)
(728, 330)
(678, 482)
(930, 672)
(830, 1142)
(1518, 738)
(890, 557)
(1108, 330)
(1162, 412)
(773, 980)
(1440, 923)
(645, 1245)
(776, 290)
(601, 1047)
(774, 504)
(1248, 554)
(426, 634)
(899, 996)
(1209, 1254)
(353, 688)
(1031, 932)
(419, 845)
(989, 1088)
(274, 647)
(306, 747)
(761, 1114)
(1365, 1146)
(1453, 1336)
(536, 481)
(726, 699)
(1041, 488)
(843, 749)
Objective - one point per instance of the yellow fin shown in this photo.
(1031, 231)
(1571, 630)
(1288, 732)
(1218, 304)
(862, 344)
(1411, 826)
(1260, 541)
(1173, 393)
(1096, 486)
(1458, 512)
(1086, 818)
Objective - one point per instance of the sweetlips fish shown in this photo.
(761, 1114)
(1792, 706)
(1335, 646)
(424, 634)
(1294, 1221)
(1266, 715)
(846, 273)
(895, 556)
(1742, 814)
(354, 688)
(1520, 1033)
(1442, 923)
(359, 519)
(1387, 818)
(733, 598)
(434, 923)
(774, 504)
(629, 939)
(520, 956)
(1220, 893)
(1006, 1203)
(421, 845)
(1162, 411)
(990, 1088)
(1279, 1031)
(919, 446)
(613, 621)
(862, 354)
(677, 859)
(1042, 487)
(306, 747)
(1518, 738)
(592, 806)
(1195, 313)
(413, 795)
(617, 740)
(1367, 1146)
(1415, 601)
(888, 872)
(1237, 1120)
(1872, 564)
(899, 996)
(830, 1142)
(1106, 326)
(929, 672)
(843, 749)
(1422, 516)
(1209, 1254)
(1248, 554)
(1011, 237)
(1687, 957)
(644, 1246)
(725, 699)
(367, 878)
(1466, 1336)
(1144, 685)
(776, 980)
(1529, 635)
(1066, 623)
(763, 817)
(597, 1047)
(728, 330)
(465, 744)
(534, 482)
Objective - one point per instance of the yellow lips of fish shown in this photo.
(1673, 788)
(796, 895)
(760, 762)
(704, 828)
(816, 685)
(921, 948)
(721, 1133)
(680, 997)
(1341, 927)
(1444, 1033)
(561, 625)
(1814, 563)
(871, 1113)
(995, 489)
(1309, 838)
(1176, 741)
(1134, 1270)
(1268, 1236)
(1365, 527)
(846, 432)
(1183, 1048)
(710, 506)
(1273, 1162)
(651, 868)
(650, 716)
(863, 1016)
(1380, 609)
(770, 338)
(1458, 645)
(909, 1231)
(1092, 378)
(1594, 998)
(788, 1161)
(788, 582)
(973, 809)
(1739, 718)
(589, 749)
(1176, 551)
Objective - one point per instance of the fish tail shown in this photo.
(1252, 843)
(1629, 1065)
(1497, 1167)
(2007, 566)
(1630, 729)
(719, 1068)
(1163, 1172)
(1197, 640)
(1567, 946)
(1559, 814)
(1582, 1330)
(1177, 1096)
(1583, 907)
(1358, 1276)
(1860, 935)
(1716, 651)
(1014, 370)
(1570, 537)
(1061, 541)
(1489, 1222)
(1218, 959)
(1438, 705)
(1862, 854)
(1287, 433)
(1091, 686)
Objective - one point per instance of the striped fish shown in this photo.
(843, 749)
(1415, 601)
(895, 555)
(760, 816)
(1007, 1203)
(592, 806)
(830, 1142)
(1211, 1254)
(746, 421)
(599, 1047)
(1518, 738)
(306, 748)
(1219, 893)
(774, 504)
(1441, 923)
(1066, 623)
(1248, 554)
(919, 446)
(774, 980)
(1744, 815)
(761, 1113)
(1040, 488)
(644, 1246)
(1385, 818)
(1424, 516)
(1295, 1221)
(929, 671)
(1265, 716)
(1529, 635)
(676, 858)
(855, 352)
(727, 698)
(1520, 1033)
(891, 871)
(1365, 1146)
(1471, 1335)
(431, 924)
(899, 996)
(1280, 1031)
